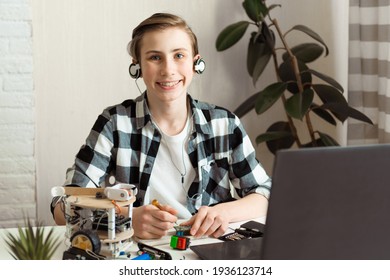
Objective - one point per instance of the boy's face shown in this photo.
(167, 63)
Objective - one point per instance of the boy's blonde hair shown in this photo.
(159, 21)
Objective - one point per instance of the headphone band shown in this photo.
(135, 69)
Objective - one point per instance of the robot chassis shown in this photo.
(95, 227)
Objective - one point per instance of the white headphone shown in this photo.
(199, 66)
(135, 71)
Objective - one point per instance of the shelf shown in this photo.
(87, 201)
(119, 236)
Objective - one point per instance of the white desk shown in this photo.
(162, 243)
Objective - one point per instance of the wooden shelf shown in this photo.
(119, 236)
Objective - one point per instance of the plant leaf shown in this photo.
(230, 35)
(327, 140)
(315, 143)
(262, 59)
(323, 114)
(283, 142)
(267, 97)
(339, 110)
(287, 75)
(246, 106)
(274, 135)
(270, 7)
(31, 243)
(327, 79)
(298, 105)
(329, 94)
(312, 34)
(255, 9)
(261, 64)
(256, 49)
(306, 52)
(269, 36)
(355, 114)
(333, 100)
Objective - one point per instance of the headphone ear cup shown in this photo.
(199, 66)
(135, 71)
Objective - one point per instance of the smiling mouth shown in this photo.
(169, 84)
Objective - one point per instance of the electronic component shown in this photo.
(233, 236)
(179, 242)
(143, 257)
(251, 229)
(182, 230)
(154, 253)
(74, 253)
(120, 192)
(121, 223)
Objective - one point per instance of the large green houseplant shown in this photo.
(295, 82)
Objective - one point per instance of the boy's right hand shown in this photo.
(149, 222)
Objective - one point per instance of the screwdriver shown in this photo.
(158, 205)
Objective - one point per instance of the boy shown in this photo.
(175, 149)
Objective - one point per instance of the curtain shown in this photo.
(369, 70)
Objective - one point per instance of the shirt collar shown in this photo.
(143, 115)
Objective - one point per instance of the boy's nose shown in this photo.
(167, 68)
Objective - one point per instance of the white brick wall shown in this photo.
(17, 121)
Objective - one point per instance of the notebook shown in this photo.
(329, 203)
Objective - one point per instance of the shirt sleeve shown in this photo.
(247, 174)
(93, 161)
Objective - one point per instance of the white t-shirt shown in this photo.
(171, 163)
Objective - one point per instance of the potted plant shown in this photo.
(32, 243)
(295, 83)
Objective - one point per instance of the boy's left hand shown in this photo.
(208, 222)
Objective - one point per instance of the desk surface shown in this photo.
(162, 243)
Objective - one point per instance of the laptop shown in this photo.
(245, 249)
(330, 203)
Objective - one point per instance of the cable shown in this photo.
(116, 206)
(94, 255)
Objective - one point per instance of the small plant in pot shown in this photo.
(32, 242)
(295, 84)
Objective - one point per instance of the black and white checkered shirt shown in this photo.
(124, 143)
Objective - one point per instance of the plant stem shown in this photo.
(289, 119)
(310, 128)
(297, 74)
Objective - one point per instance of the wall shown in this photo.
(17, 121)
(80, 67)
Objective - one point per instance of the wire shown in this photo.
(137, 85)
(116, 206)
(100, 219)
(94, 255)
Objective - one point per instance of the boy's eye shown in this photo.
(155, 57)
(179, 55)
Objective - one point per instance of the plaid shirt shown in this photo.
(124, 143)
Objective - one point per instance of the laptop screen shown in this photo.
(329, 203)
